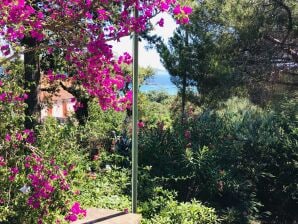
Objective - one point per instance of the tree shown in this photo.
(80, 30)
(177, 60)
(236, 44)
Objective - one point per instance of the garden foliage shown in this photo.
(234, 162)
(239, 158)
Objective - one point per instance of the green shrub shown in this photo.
(239, 158)
(93, 184)
(184, 213)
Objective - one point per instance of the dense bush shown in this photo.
(159, 205)
(48, 174)
(240, 158)
(34, 182)
(154, 108)
(97, 181)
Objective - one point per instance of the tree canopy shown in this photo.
(235, 43)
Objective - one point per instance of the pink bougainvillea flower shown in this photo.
(5, 49)
(13, 173)
(7, 137)
(161, 22)
(19, 136)
(141, 124)
(187, 134)
(177, 10)
(29, 136)
(187, 10)
(74, 212)
(2, 161)
(164, 6)
(71, 217)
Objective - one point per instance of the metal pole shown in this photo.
(135, 118)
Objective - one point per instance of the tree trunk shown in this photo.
(31, 82)
(82, 112)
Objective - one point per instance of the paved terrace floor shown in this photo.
(106, 216)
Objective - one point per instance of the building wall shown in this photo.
(59, 109)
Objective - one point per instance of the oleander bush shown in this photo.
(239, 157)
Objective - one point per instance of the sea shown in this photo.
(160, 82)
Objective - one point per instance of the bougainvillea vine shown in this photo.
(82, 29)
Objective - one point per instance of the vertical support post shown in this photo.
(135, 118)
(185, 66)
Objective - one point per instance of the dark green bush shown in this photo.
(239, 158)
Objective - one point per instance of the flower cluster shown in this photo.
(9, 97)
(41, 180)
(47, 186)
(13, 173)
(75, 212)
(182, 14)
(28, 178)
(141, 124)
(5, 50)
(26, 135)
(46, 181)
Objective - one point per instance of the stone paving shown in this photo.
(106, 216)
